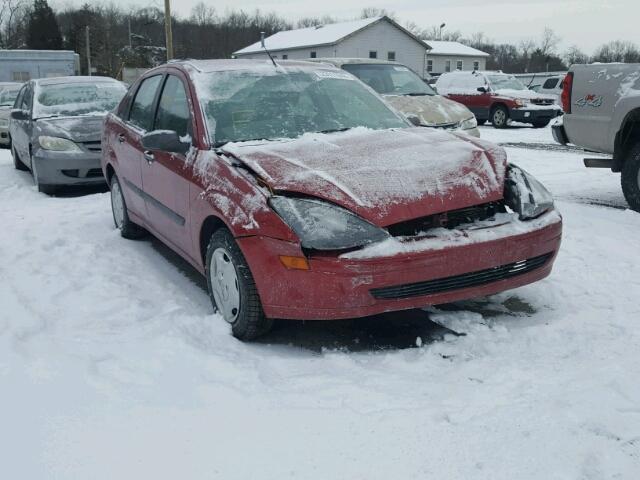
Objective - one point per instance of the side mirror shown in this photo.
(415, 120)
(17, 114)
(483, 89)
(164, 141)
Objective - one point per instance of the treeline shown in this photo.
(135, 37)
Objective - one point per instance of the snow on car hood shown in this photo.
(85, 128)
(385, 176)
(432, 110)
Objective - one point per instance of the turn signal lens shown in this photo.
(294, 263)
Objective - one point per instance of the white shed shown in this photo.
(451, 56)
(378, 37)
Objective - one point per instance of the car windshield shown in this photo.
(8, 96)
(78, 98)
(390, 79)
(249, 105)
(505, 82)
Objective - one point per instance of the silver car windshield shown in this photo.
(250, 105)
(505, 82)
(77, 98)
(8, 96)
(390, 79)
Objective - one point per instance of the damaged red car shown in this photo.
(300, 194)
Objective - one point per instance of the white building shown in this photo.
(378, 37)
(451, 56)
(23, 65)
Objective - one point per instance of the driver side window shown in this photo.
(173, 109)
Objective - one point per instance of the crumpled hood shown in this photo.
(431, 109)
(79, 129)
(385, 176)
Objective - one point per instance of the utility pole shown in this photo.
(88, 45)
(167, 29)
(129, 25)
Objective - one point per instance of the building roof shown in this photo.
(453, 49)
(317, 36)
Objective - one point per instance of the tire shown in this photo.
(541, 123)
(17, 163)
(500, 117)
(121, 220)
(481, 122)
(230, 280)
(631, 177)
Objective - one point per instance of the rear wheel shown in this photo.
(500, 117)
(232, 288)
(17, 163)
(631, 177)
(541, 123)
(127, 228)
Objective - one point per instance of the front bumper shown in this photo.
(530, 115)
(68, 168)
(339, 287)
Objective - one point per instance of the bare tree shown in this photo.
(617, 51)
(574, 56)
(370, 12)
(314, 21)
(202, 14)
(548, 42)
(12, 22)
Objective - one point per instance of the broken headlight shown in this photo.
(526, 195)
(323, 226)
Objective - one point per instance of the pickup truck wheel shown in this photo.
(541, 123)
(232, 288)
(500, 117)
(631, 178)
(17, 163)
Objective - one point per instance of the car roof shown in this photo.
(337, 61)
(74, 79)
(209, 66)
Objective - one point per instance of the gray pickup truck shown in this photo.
(602, 114)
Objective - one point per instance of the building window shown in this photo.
(476, 66)
(312, 55)
(459, 65)
(391, 56)
(373, 54)
(285, 56)
(447, 66)
(21, 76)
(429, 66)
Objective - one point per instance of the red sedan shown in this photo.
(300, 194)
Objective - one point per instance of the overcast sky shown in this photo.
(586, 23)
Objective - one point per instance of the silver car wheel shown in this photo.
(499, 117)
(224, 284)
(117, 205)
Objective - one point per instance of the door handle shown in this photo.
(121, 137)
(148, 156)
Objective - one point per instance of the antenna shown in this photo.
(265, 49)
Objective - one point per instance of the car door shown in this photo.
(479, 102)
(165, 175)
(21, 129)
(128, 144)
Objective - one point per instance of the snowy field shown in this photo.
(112, 365)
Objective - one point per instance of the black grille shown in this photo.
(450, 220)
(458, 282)
(93, 146)
(542, 101)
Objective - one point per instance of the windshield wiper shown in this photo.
(418, 94)
(334, 130)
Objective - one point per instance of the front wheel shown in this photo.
(631, 178)
(127, 228)
(500, 117)
(232, 288)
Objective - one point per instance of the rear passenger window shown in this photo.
(141, 114)
(551, 83)
(173, 109)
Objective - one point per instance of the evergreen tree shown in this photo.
(43, 32)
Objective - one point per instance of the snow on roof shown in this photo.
(453, 48)
(311, 36)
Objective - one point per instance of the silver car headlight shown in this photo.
(57, 144)
(4, 123)
(526, 195)
(522, 102)
(323, 226)
(468, 124)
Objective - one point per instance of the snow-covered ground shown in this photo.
(113, 366)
